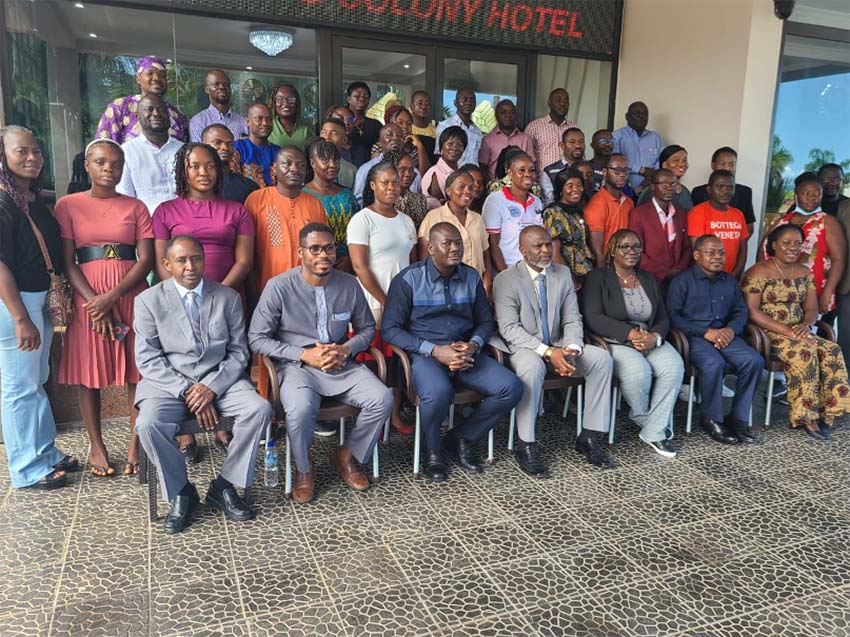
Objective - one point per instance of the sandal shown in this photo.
(101, 472)
(52, 480)
(68, 464)
(130, 469)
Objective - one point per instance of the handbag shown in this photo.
(60, 295)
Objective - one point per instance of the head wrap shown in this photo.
(150, 62)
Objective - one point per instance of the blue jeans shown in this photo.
(29, 430)
(650, 384)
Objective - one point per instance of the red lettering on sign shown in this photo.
(447, 10)
(377, 6)
(521, 17)
(420, 13)
(471, 7)
(349, 4)
(312, 2)
(498, 14)
(573, 33)
(558, 24)
(395, 9)
(541, 12)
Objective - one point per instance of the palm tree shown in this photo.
(779, 187)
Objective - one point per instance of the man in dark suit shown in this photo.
(192, 353)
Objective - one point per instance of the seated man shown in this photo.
(437, 311)
(192, 354)
(538, 316)
(706, 304)
(301, 322)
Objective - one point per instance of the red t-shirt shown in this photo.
(727, 225)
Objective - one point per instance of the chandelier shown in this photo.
(269, 40)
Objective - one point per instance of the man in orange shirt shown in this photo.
(717, 217)
(608, 210)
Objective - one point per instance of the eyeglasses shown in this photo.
(618, 170)
(630, 247)
(317, 250)
(285, 100)
(605, 140)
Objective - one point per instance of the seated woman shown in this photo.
(339, 203)
(623, 305)
(413, 146)
(564, 219)
(223, 227)
(781, 295)
(452, 143)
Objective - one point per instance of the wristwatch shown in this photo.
(547, 355)
(658, 340)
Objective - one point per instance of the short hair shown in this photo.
(336, 121)
(805, 178)
(562, 178)
(529, 229)
(717, 174)
(571, 129)
(665, 171)
(329, 112)
(420, 92)
(258, 105)
(453, 131)
(313, 226)
(669, 151)
(356, 85)
(394, 157)
(181, 173)
(613, 155)
(210, 128)
(374, 171)
(614, 240)
(557, 90)
(465, 87)
(505, 101)
(778, 231)
(721, 150)
(601, 130)
(703, 239)
(829, 165)
(443, 227)
(183, 238)
(470, 167)
(454, 177)
(288, 148)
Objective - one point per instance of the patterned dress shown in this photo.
(120, 122)
(566, 223)
(816, 376)
(339, 208)
(414, 205)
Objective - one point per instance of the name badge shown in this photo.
(341, 316)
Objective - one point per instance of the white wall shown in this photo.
(707, 71)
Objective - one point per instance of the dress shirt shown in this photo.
(546, 135)
(696, 302)
(425, 309)
(496, 141)
(149, 171)
(474, 137)
(363, 172)
(182, 292)
(642, 150)
(235, 123)
(543, 348)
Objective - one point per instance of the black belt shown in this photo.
(120, 251)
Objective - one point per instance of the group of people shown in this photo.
(255, 237)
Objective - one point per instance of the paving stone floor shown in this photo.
(722, 542)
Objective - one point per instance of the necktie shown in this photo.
(194, 311)
(544, 306)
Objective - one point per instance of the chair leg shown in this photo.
(769, 400)
(615, 400)
(579, 409)
(451, 417)
(287, 490)
(387, 430)
(376, 472)
(143, 465)
(153, 497)
(750, 421)
(690, 420)
(341, 431)
(491, 450)
(567, 402)
(417, 442)
(511, 427)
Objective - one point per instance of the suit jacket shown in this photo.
(518, 310)
(661, 258)
(166, 354)
(843, 217)
(605, 307)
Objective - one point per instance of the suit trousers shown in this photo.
(843, 334)
(746, 364)
(594, 365)
(302, 390)
(160, 418)
(650, 384)
(433, 382)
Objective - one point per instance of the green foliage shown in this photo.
(779, 186)
(820, 156)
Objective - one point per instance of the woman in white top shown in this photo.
(381, 243)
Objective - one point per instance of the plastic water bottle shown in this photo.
(270, 478)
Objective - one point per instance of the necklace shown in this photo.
(781, 273)
(625, 280)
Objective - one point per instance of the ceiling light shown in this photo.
(169, 61)
(407, 66)
(249, 68)
(270, 41)
(93, 35)
(79, 5)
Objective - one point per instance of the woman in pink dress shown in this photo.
(108, 253)
(223, 227)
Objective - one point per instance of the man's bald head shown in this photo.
(535, 245)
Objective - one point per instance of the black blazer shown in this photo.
(605, 308)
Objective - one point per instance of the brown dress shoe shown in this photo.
(342, 459)
(302, 490)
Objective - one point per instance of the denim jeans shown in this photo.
(650, 385)
(29, 430)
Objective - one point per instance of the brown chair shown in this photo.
(463, 396)
(757, 338)
(330, 409)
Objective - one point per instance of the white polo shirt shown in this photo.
(506, 216)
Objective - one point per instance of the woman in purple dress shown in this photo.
(223, 227)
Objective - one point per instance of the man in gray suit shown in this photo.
(192, 354)
(538, 317)
(301, 322)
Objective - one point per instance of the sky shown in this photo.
(814, 113)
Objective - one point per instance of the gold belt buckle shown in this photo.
(109, 251)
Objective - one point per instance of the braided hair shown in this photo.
(7, 180)
(323, 150)
(181, 177)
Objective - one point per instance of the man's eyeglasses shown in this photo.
(317, 250)
(285, 100)
(618, 170)
(625, 248)
(605, 140)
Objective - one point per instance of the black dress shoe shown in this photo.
(227, 500)
(594, 453)
(463, 452)
(434, 469)
(718, 432)
(191, 453)
(743, 432)
(179, 516)
(528, 457)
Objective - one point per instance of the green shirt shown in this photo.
(298, 138)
